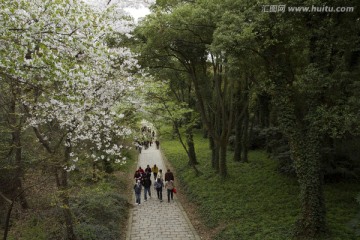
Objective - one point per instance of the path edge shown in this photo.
(192, 228)
(129, 228)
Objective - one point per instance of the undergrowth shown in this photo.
(100, 208)
(255, 201)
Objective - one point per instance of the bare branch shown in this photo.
(4, 197)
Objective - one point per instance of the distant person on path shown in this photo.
(137, 190)
(170, 186)
(141, 171)
(159, 184)
(155, 171)
(157, 144)
(169, 176)
(148, 169)
(138, 146)
(147, 184)
(160, 174)
(137, 175)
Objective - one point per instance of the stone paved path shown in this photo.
(154, 219)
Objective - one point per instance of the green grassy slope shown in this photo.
(255, 201)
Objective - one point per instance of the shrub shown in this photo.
(99, 214)
(88, 231)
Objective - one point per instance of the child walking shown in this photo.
(137, 190)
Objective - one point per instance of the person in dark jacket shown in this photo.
(159, 186)
(157, 144)
(137, 190)
(148, 169)
(147, 184)
(169, 176)
(137, 176)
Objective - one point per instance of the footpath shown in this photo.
(157, 220)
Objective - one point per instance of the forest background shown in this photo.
(77, 80)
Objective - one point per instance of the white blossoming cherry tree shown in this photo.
(69, 80)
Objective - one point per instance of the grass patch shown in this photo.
(255, 201)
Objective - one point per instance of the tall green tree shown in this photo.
(306, 72)
(161, 103)
(66, 82)
(184, 35)
(305, 65)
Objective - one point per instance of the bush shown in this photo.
(278, 148)
(99, 214)
(257, 138)
(85, 231)
(34, 232)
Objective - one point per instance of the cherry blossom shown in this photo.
(56, 51)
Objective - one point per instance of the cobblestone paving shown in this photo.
(154, 219)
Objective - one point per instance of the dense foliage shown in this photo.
(252, 68)
(255, 201)
(62, 89)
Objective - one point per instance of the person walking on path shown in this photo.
(169, 185)
(148, 169)
(160, 175)
(159, 184)
(155, 171)
(141, 171)
(169, 176)
(157, 144)
(143, 220)
(137, 190)
(137, 176)
(147, 185)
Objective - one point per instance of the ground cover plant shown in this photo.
(100, 208)
(255, 201)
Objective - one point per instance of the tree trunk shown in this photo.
(214, 154)
(191, 147)
(17, 146)
(20, 172)
(68, 217)
(7, 220)
(263, 111)
(205, 132)
(191, 151)
(307, 161)
(174, 131)
(64, 196)
(222, 160)
(305, 148)
(245, 136)
(237, 142)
